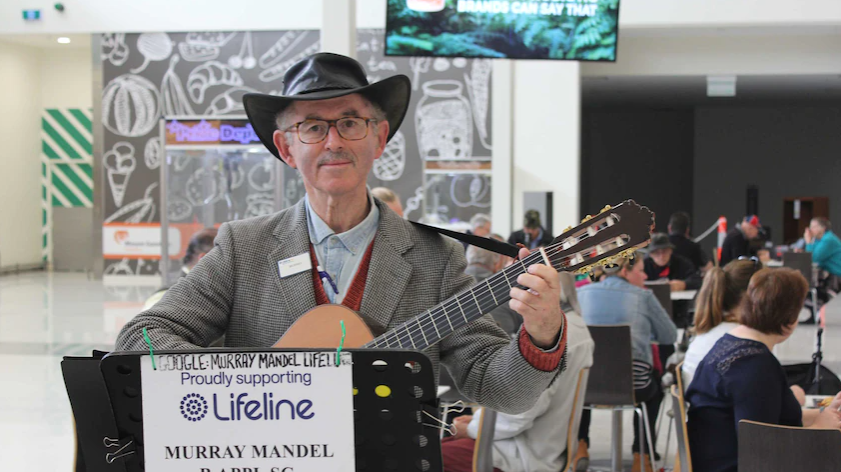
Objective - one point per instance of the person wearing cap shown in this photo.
(663, 263)
(737, 241)
(341, 245)
(532, 235)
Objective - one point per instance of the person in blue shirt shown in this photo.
(621, 298)
(824, 245)
(741, 379)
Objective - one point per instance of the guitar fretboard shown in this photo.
(438, 322)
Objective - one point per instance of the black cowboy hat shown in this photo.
(322, 76)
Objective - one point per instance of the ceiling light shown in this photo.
(63, 40)
(721, 85)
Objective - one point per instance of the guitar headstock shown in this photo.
(602, 239)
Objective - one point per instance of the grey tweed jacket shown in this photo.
(236, 290)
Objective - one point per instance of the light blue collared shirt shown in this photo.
(340, 254)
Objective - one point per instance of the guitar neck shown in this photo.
(438, 322)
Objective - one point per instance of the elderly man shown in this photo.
(346, 247)
(737, 241)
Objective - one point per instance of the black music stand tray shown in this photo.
(391, 434)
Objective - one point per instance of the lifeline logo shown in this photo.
(193, 407)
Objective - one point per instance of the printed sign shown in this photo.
(137, 240)
(256, 411)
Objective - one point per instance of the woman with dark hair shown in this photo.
(716, 308)
(200, 244)
(740, 379)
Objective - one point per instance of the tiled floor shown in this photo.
(46, 316)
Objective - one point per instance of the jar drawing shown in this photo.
(444, 122)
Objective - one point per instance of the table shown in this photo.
(684, 295)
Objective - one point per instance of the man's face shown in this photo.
(533, 232)
(483, 230)
(750, 230)
(661, 257)
(816, 229)
(334, 166)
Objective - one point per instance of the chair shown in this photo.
(663, 292)
(802, 261)
(483, 449)
(773, 448)
(683, 462)
(483, 460)
(611, 385)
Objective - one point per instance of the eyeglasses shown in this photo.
(751, 258)
(351, 128)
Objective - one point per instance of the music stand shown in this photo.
(391, 434)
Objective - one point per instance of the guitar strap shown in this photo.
(493, 245)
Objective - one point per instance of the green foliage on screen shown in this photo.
(503, 35)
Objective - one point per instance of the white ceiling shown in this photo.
(692, 90)
(49, 41)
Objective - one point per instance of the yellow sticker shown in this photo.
(383, 391)
(355, 390)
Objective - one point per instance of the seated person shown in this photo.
(683, 246)
(740, 379)
(825, 248)
(200, 244)
(534, 441)
(532, 235)
(390, 198)
(621, 298)
(738, 240)
(716, 309)
(663, 263)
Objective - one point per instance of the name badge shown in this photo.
(294, 265)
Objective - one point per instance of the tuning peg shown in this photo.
(587, 218)
(606, 208)
(568, 228)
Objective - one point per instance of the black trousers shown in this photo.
(652, 396)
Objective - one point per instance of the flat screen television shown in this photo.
(578, 30)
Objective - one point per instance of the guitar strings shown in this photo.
(454, 302)
(442, 313)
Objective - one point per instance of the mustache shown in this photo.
(335, 157)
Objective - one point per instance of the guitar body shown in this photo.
(321, 328)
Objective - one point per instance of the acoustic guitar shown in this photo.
(598, 240)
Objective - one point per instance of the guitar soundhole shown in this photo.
(416, 391)
(414, 367)
(380, 365)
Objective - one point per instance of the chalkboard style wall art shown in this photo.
(150, 75)
(439, 162)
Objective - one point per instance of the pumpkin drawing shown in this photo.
(131, 106)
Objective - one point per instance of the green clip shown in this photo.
(341, 344)
(152, 352)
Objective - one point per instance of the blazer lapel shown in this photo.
(293, 239)
(388, 273)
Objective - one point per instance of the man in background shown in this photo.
(480, 225)
(663, 262)
(826, 251)
(390, 198)
(737, 243)
(683, 245)
(532, 235)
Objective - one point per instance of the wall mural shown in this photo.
(438, 161)
(150, 75)
(449, 120)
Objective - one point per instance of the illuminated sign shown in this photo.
(223, 132)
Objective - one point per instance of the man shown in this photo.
(663, 263)
(683, 245)
(737, 241)
(390, 198)
(532, 235)
(534, 441)
(480, 225)
(824, 245)
(330, 125)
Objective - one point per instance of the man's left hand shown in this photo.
(540, 305)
